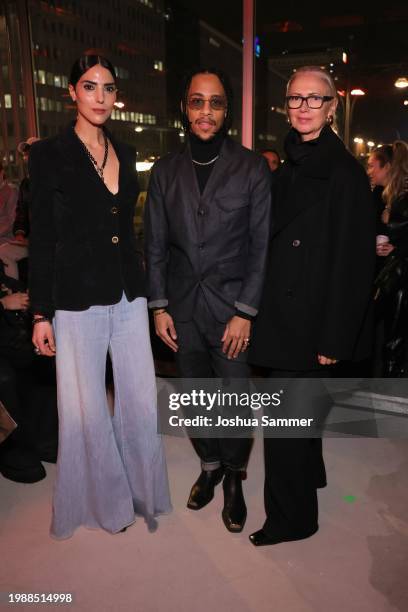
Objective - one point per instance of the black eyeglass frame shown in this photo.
(322, 99)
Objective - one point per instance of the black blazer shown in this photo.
(83, 250)
(217, 240)
(319, 284)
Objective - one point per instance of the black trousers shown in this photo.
(200, 356)
(294, 467)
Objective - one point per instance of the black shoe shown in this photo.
(234, 512)
(202, 490)
(260, 538)
(21, 465)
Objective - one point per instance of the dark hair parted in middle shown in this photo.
(228, 94)
(85, 62)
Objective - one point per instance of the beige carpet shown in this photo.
(357, 562)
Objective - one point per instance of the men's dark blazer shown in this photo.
(216, 241)
(318, 293)
(83, 250)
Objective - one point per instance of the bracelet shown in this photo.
(41, 320)
(159, 311)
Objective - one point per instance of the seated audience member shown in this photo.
(25, 390)
(9, 253)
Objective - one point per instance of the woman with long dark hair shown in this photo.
(87, 287)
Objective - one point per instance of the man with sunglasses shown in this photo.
(207, 231)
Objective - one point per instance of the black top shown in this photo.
(204, 151)
(83, 250)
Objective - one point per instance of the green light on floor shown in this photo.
(350, 498)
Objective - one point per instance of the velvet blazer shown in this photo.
(83, 250)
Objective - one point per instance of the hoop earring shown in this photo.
(329, 119)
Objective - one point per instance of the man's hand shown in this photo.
(236, 336)
(15, 301)
(326, 360)
(43, 339)
(165, 329)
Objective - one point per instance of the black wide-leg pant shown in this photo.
(294, 467)
(200, 356)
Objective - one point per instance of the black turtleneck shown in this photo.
(204, 151)
(298, 150)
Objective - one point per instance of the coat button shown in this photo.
(289, 293)
(201, 245)
(296, 243)
(115, 239)
(201, 212)
(114, 210)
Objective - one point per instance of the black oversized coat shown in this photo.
(318, 293)
(83, 250)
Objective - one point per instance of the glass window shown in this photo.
(41, 77)
(57, 80)
(50, 78)
(7, 100)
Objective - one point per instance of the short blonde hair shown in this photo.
(321, 72)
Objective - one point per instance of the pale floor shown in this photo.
(358, 561)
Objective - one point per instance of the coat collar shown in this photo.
(300, 184)
(322, 156)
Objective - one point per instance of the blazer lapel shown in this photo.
(294, 197)
(75, 154)
(220, 169)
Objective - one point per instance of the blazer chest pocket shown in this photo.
(232, 207)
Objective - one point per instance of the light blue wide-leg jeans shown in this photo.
(108, 468)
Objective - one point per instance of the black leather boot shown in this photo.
(202, 490)
(234, 512)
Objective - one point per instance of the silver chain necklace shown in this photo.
(205, 163)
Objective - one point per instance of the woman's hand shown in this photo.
(43, 339)
(384, 249)
(15, 301)
(236, 336)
